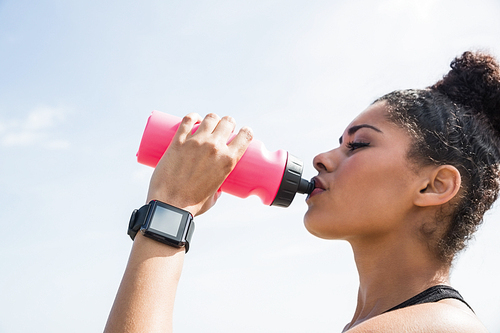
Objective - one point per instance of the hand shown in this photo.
(210, 202)
(195, 165)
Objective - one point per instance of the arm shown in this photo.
(145, 299)
(188, 176)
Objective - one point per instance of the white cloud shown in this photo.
(35, 130)
(15, 138)
(43, 118)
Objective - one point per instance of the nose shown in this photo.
(325, 161)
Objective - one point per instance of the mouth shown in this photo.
(318, 188)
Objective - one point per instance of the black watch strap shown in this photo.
(188, 236)
(136, 220)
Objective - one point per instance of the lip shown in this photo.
(318, 188)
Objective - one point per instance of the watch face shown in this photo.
(166, 221)
(168, 224)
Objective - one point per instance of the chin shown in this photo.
(321, 227)
(313, 228)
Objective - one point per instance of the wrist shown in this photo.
(175, 201)
(162, 223)
(154, 248)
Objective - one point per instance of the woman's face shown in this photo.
(366, 186)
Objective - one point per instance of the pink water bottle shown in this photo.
(275, 177)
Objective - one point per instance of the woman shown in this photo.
(407, 187)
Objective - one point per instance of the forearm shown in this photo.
(187, 177)
(145, 299)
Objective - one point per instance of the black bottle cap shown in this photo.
(291, 183)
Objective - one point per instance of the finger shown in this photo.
(225, 128)
(208, 124)
(186, 125)
(241, 141)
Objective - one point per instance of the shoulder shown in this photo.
(443, 316)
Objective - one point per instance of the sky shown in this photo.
(78, 80)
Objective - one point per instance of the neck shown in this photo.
(390, 272)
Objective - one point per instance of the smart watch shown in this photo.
(164, 223)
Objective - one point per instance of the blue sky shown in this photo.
(78, 80)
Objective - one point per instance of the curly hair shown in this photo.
(457, 122)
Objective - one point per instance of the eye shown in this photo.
(356, 145)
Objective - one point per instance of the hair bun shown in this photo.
(474, 82)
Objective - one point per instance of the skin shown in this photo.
(367, 193)
(373, 197)
(145, 299)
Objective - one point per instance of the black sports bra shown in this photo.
(433, 294)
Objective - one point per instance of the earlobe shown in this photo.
(441, 184)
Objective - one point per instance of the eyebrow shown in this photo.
(354, 129)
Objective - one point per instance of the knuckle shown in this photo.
(229, 119)
(190, 118)
(212, 116)
(228, 162)
(233, 159)
(213, 148)
(210, 147)
(247, 133)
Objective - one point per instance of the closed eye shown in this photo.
(356, 145)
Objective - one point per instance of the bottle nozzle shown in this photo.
(305, 186)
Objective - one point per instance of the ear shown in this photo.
(439, 186)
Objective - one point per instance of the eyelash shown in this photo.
(356, 145)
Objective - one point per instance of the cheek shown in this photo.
(366, 196)
(387, 198)
(381, 184)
